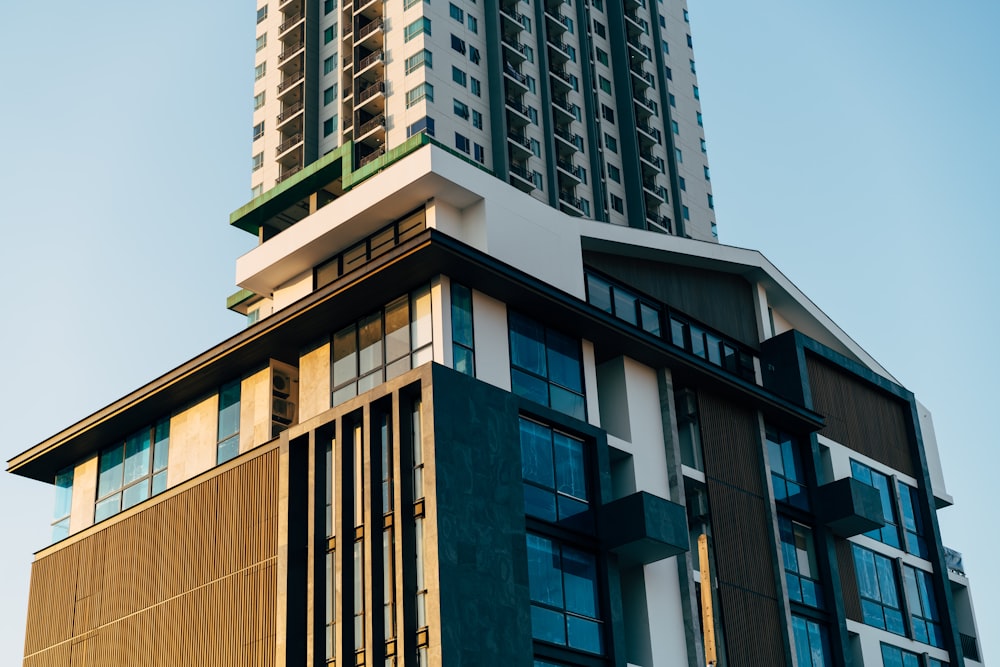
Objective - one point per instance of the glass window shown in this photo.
(787, 475)
(889, 533)
(458, 76)
(261, 13)
(562, 583)
(425, 124)
(922, 604)
(414, 95)
(328, 35)
(63, 505)
(812, 644)
(261, 41)
(330, 95)
(880, 603)
(461, 110)
(463, 345)
(475, 87)
(456, 12)
(458, 44)
(133, 470)
(422, 58)
(329, 64)
(258, 101)
(546, 366)
(799, 557)
(461, 141)
(893, 656)
(329, 6)
(421, 25)
(473, 24)
(554, 468)
(229, 422)
(912, 519)
(259, 71)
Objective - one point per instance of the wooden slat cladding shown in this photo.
(753, 626)
(190, 580)
(742, 537)
(859, 416)
(720, 300)
(848, 580)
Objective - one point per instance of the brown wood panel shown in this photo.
(753, 628)
(742, 539)
(731, 443)
(859, 416)
(722, 301)
(848, 580)
(189, 580)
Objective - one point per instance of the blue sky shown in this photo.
(852, 143)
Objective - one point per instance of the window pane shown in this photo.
(527, 345)
(570, 477)
(137, 456)
(650, 319)
(397, 329)
(108, 507)
(463, 359)
(161, 445)
(369, 344)
(135, 494)
(420, 318)
(159, 482)
(599, 293)
(529, 387)
(548, 625)
(110, 474)
(64, 494)
(544, 575)
(564, 362)
(625, 306)
(461, 314)
(536, 453)
(584, 634)
(228, 449)
(229, 409)
(580, 581)
(567, 402)
(539, 503)
(60, 530)
(344, 356)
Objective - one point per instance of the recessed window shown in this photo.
(329, 6)
(711, 200)
(701, 121)
(329, 35)
(420, 59)
(610, 143)
(697, 94)
(461, 142)
(599, 29)
(546, 366)
(617, 204)
(605, 84)
(259, 71)
(463, 344)
(708, 174)
(229, 422)
(893, 656)
(257, 162)
(329, 126)
(479, 153)
(690, 42)
(477, 120)
(63, 505)
(425, 124)
(672, 100)
(475, 86)
(258, 130)
(799, 557)
(458, 44)
(420, 26)
(682, 183)
(474, 56)
(692, 68)
(456, 12)
(925, 620)
(704, 146)
(614, 173)
(262, 41)
(458, 76)
(261, 13)
(880, 602)
(330, 95)
(678, 155)
(669, 73)
(665, 46)
(608, 113)
(674, 127)
(473, 23)
(414, 95)
(461, 109)
(812, 643)
(132, 471)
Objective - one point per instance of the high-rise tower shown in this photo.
(591, 107)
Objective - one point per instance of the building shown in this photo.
(591, 107)
(465, 427)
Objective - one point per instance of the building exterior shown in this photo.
(470, 424)
(592, 107)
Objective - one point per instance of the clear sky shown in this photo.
(853, 143)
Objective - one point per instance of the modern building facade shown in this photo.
(592, 107)
(470, 425)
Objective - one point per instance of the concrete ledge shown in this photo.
(643, 528)
(849, 507)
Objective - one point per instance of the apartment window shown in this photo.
(255, 192)
(461, 142)
(258, 131)
(711, 200)
(261, 14)
(701, 120)
(462, 341)
(425, 124)
(614, 173)
(704, 146)
(571, 52)
(893, 656)
(546, 366)
(674, 127)
(799, 556)
(530, 82)
(329, 35)
(461, 109)
(329, 6)
(330, 95)
(535, 146)
(132, 471)
(787, 474)
(477, 119)
(423, 58)
(690, 42)
(414, 95)
(682, 183)
(329, 64)
(685, 212)
(458, 44)
(473, 24)
(665, 46)
(456, 12)
(258, 162)
(889, 533)
(697, 95)
(381, 346)
(678, 155)
(229, 422)
(475, 87)
(479, 153)
(812, 643)
(669, 73)
(663, 21)
(421, 25)
(693, 71)
(474, 56)
(599, 29)
(610, 143)
(553, 465)
(598, 5)
(533, 115)
(409, 3)
(912, 519)
(258, 101)
(529, 54)
(458, 76)
(672, 99)
(259, 71)
(262, 41)
(562, 583)
(925, 620)
(608, 113)
(617, 204)
(63, 505)
(686, 18)
(880, 603)
(329, 126)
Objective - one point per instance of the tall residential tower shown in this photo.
(469, 422)
(591, 107)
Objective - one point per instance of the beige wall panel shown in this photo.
(194, 436)
(255, 410)
(84, 494)
(314, 381)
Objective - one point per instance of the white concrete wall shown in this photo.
(933, 456)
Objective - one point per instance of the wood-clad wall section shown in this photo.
(860, 416)
(189, 580)
(742, 537)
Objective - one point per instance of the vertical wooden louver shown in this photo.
(744, 551)
(861, 417)
(189, 580)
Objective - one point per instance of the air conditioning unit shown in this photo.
(282, 410)
(281, 383)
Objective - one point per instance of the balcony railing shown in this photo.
(288, 143)
(290, 51)
(521, 171)
(569, 168)
(289, 22)
(378, 152)
(370, 59)
(970, 647)
(509, 70)
(368, 29)
(368, 126)
(371, 91)
(566, 135)
(289, 111)
(568, 198)
(520, 139)
(288, 173)
(290, 81)
(517, 106)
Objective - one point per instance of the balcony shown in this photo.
(288, 143)
(658, 223)
(567, 108)
(370, 125)
(365, 7)
(643, 78)
(521, 178)
(657, 193)
(570, 170)
(371, 157)
(368, 32)
(370, 92)
(573, 141)
(290, 50)
(520, 116)
(571, 202)
(556, 19)
(290, 81)
(289, 172)
(648, 132)
(512, 19)
(560, 79)
(515, 50)
(560, 50)
(644, 104)
(369, 60)
(519, 79)
(520, 143)
(289, 112)
(290, 23)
